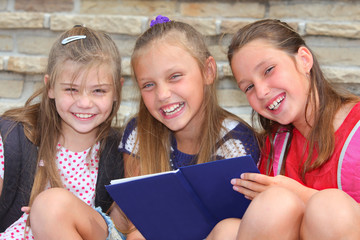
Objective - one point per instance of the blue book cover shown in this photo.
(186, 203)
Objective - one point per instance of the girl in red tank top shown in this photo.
(309, 187)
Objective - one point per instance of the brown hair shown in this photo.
(42, 123)
(321, 136)
(154, 137)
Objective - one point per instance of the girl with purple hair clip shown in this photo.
(179, 121)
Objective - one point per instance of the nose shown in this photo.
(163, 91)
(84, 100)
(262, 90)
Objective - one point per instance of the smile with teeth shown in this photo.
(83, 115)
(173, 109)
(276, 104)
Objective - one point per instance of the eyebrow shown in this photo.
(96, 85)
(259, 65)
(256, 68)
(142, 80)
(168, 71)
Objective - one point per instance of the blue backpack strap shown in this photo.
(280, 141)
(349, 164)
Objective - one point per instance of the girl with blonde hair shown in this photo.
(59, 151)
(179, 122)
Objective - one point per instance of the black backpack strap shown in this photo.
(20, 165)
(111, 166)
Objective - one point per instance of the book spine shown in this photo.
(206, 213)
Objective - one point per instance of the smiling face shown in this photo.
(85, 102)
(171, 85)
(275, 83)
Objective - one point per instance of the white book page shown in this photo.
(129, 179)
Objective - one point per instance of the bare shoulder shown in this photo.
(342, 114)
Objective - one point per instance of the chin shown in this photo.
(174, 128)
(284, 122)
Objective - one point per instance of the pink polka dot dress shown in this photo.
(78, 171)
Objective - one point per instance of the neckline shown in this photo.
(177, 151)
(61, 147)
(346, 121)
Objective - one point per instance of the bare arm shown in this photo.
(135, 235)
(124, 225)
(121, 221)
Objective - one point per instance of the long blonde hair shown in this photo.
(321, 137)
(42, 123)
(154, 137)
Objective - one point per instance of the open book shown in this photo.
(186, 203)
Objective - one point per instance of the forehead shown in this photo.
(162, 51)
(77, 73)
(165, 44)
(256, 46)
(172, 37)
(255, 51)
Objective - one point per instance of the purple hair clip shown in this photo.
(159, 19)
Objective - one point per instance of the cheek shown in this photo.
(62, 109)
(252, 101)
(147, 97)
(148, 101)
(105, 103)
(109, 105)
(256, 104)
(62, 103)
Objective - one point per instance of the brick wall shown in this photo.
(29, 27)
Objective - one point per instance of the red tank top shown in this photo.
(326, 175)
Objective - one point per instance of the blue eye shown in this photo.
(148, 85)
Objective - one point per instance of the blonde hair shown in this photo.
(42, 123)
(153, 137)
(321, 136)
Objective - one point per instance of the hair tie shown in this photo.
(72, 38)
(159, 19)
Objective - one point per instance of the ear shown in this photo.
(122, 80)
(210, 70)
(51, 91)
(305, 59)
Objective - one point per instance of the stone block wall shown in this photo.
(29, 27)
